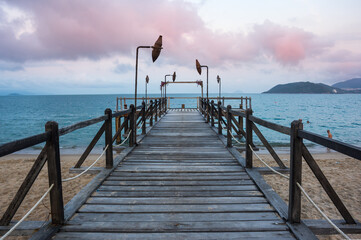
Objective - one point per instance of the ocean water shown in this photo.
(23, 116)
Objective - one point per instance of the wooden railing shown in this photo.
(244, 102)
(131, 119)
(225, 118)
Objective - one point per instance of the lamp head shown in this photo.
(218, 79)
(147, 79)
(198, 66)
(174, 76)
(156, 48)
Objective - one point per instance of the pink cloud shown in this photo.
(94, 29)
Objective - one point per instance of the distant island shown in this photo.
(352, 84)
(309, 87)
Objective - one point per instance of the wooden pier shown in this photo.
(180, 182)
(179, 178)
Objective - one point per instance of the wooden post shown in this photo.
(212, 111)
(208, 111)
(151, 113)
(156, 110)
(144, 127)
(117, 126)
(54, 174)
(133, 128)
(249, 140)
(240, 119)
(219, 118)
(229, 126)
(294, 204)
(108, 139)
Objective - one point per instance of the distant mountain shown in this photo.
(304, 87)
(354, 83)
(14, 94)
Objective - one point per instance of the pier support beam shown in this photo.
(54, 173)
(108, 139)
(294, 205)
(249, 140)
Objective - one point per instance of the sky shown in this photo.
(89, 46)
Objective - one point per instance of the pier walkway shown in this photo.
(180, 182)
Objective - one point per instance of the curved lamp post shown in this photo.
(219, 84)
(199, 69)
(155, 54)
(146, 85)
(165, 82)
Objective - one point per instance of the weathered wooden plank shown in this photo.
(176, 183)
(24, 229)
(193, 226)
(180, 178)
(176, 235)
(175, 200)
(164, 217)
(179, 194)
(179, 164)
(200, 169)
(178, 174)
(177, 188)
(324, 228)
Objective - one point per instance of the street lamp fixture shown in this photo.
(165, 82)
(219, 84)
(155, 54)
(199, 70)
(146, 85)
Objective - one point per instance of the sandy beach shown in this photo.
(343, 172)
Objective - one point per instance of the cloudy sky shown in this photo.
(88, 46)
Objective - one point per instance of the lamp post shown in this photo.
(199, 69)
(146, 85)
(165, 82)
(155, 54)
(219, 84)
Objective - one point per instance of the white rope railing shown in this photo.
(234, 137)
(307, 197)
(27, 214)
(120, 144)
(141, 125)
(72, 178)
(322, 213)
(282, 175)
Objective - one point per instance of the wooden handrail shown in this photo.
(83, 124)
(274, 126)
(18, 145)
(336, 145)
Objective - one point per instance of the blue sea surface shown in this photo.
(23, 116)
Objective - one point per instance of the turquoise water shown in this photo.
(23, 116)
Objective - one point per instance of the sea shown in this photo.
(24, 116)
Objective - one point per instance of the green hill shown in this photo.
(304, 87)
(354, 83)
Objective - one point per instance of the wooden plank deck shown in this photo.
(179, 183)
